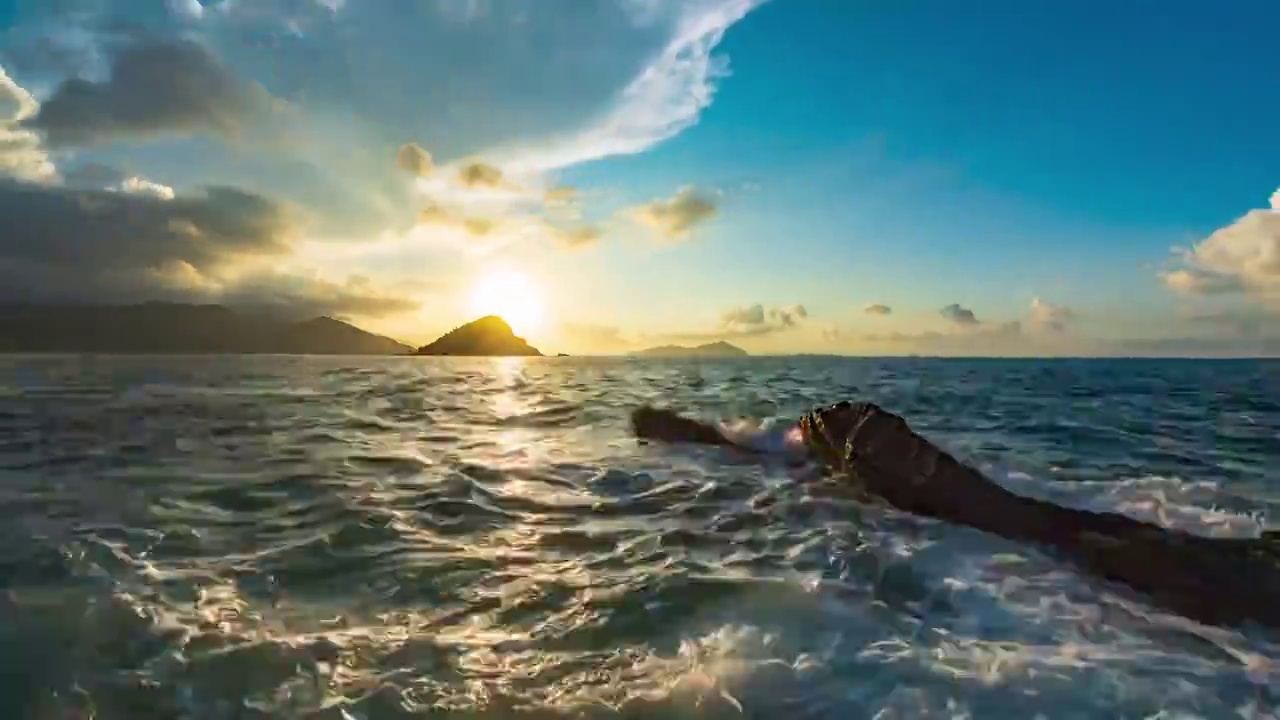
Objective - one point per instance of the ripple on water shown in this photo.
(392, 538)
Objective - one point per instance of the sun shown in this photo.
(509, 295)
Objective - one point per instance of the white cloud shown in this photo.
(22, 154)
(16, 103)
(1241, 257)
(662, 100)
(142, 186)
(191, 9)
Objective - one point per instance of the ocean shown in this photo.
(206, 538)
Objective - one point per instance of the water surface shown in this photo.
(332, 538)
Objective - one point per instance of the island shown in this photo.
(716, 349)
(490, 336)
(160, 328)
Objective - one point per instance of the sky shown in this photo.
(792, 176)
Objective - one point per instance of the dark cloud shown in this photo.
(100, 229)
(756, 320)
(63, 244)
(415, 160)
(878, 309)
(480, 175)
(153, 87)
(959, 315)
(675, 217)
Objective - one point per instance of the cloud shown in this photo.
(1252, 346)
(560, 195)
(345, 79)
(15, 102)
(22, 155)
(1243, 257)
(93, 176)
(664, 98)
(747, 321)
(1047, 316)
(959, 315)
(480, 175)
(675, 217)
(308, 295)
(188, 8)
(100, 176)
(440, 215)
(413, 159)
(103, 229)
(756, 320)
(169, 86)
(575, 237)
(1044, 329)
(140, 241)
(143, 186)
(877, 309)
(1199, 282)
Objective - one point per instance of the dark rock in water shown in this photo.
(1214, 580)
(488, 336)
(179, 328)
(715, 349)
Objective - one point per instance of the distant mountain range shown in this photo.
(715, 349)
(176, 328)
(179, 328)
(488, 336)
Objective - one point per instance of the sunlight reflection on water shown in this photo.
(319, 538)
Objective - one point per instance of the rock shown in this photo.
(487, 337)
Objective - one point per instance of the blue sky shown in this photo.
(837, 176)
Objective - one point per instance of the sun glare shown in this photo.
(509, 295)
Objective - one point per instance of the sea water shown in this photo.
(333, 538)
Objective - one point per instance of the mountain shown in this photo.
(488, 336)
(715, 349)
(177, 328)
